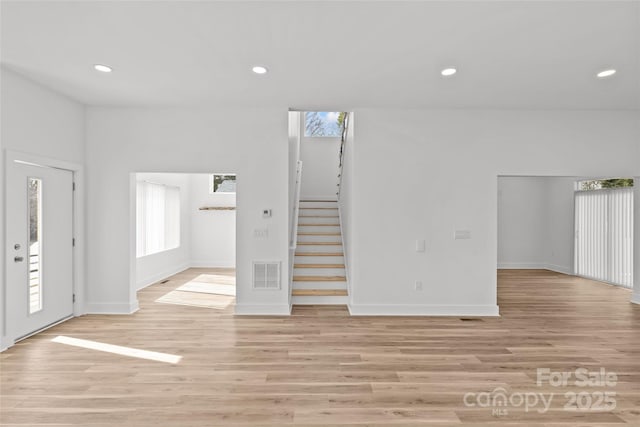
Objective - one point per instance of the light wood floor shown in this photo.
(321, 367)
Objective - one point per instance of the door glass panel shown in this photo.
(35, 244)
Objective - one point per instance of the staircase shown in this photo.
(319, 275)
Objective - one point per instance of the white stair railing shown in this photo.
(343, 140)
(296, 207)
(293, 242)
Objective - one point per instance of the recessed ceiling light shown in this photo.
(606, 73)
(102, 68)
(259, 69)
(449, 71)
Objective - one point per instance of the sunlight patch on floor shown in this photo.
(206, 290)
(195, 299)
(116, 349)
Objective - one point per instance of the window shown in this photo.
(35, 244)
(601, 184)
(324, 124)
(604, 231)
(157, 218)
(222, 183)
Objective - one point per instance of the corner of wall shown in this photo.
(112, 307)
(4, 345)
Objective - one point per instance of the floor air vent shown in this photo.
(470, 319)
(266, 275)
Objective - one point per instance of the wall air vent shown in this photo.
(266, 275)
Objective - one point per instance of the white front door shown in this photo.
(39, 230)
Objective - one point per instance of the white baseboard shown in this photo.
(147, 281)
(560, 269)
(212, 264)
(635, 298)
(534, 266)
(263, 310)
(521, 266)
(423, 310)
(112, 307)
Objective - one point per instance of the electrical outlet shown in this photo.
(418, 285)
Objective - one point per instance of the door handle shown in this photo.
(18, 259)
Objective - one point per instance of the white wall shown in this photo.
(38, 121)
(560, 225)
(522, 222)
(250, 142)
(154, 267)
(445, 166)
(320, 160)
(213, 233)
(535, 223)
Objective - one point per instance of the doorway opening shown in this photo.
(185, 228)
(571, 225)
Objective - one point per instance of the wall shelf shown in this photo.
(218, 208)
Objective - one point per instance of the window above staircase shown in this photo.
(327, 124)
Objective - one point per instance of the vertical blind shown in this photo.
(604, 235)
(157, 218)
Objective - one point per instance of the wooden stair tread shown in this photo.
(318, 216)
(319, 243)
(319, 293)
(321, 208)
(319, 254)
(318, 265)
(319, 279)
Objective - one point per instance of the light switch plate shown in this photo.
(462, 234)
(261, 233)
(420, 246)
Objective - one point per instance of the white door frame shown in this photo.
(8, 337)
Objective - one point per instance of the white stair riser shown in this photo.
(319, 248)
(318, 204)
(318, 229)
(319, 285)
(319, 260)
(323, 220)
(304, 238)
(318, 271)
(323, 212)
(315, 300)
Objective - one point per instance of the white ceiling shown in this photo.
(510, 54)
